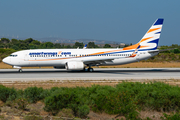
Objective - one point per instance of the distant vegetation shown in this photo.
(167, 56)
(8, 46)
(125, 99)
(35, 44)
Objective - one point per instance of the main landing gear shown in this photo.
(90, 69)
(20, 70)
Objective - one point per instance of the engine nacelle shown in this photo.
(74, 65)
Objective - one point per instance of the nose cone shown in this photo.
(6, 60)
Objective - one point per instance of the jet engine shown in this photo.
(74, 65)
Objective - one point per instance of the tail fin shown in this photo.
(150, 39)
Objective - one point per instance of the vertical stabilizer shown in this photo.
(151, 38)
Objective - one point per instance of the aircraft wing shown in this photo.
(97, 61)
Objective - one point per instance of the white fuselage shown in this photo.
(59, 57)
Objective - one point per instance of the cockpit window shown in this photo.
(13, 55)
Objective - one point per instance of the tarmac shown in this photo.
(98, 74)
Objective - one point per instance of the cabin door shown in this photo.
(26, 57)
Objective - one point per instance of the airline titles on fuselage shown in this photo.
(50, 53)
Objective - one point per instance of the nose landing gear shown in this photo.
(18, 67)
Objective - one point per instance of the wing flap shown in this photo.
(95, 62)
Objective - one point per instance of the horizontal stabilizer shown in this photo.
(153, 51)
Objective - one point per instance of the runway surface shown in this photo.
(98, 74)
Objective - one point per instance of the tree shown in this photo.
(14, 42)
(92, 45)
(176, 51)
(1, 45)
(68, 46)
(29, 40)
(57, 45)
(77, 44)
(23, 46)
(35, 42)
(126, 45)
(174, 46)
(107, 46)
(32, 46)
(5, 40)
(48, 45)
(15, 47)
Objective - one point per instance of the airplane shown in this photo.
(84, 59)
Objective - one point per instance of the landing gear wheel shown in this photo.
(20, 70)
(90, 69)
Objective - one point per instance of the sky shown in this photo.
(114, 20)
